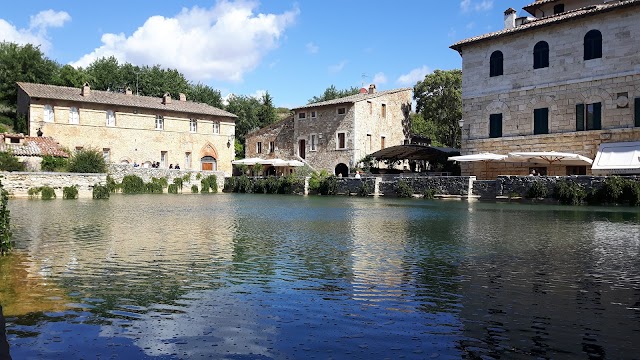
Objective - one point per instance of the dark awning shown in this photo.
(414, 152)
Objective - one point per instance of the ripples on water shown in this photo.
(251, 276)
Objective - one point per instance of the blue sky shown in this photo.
(292, 49)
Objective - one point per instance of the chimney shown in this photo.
(372, 89)
(128, 91)
(166, 99)
(510, 18)
(183, 97)
(86, 89)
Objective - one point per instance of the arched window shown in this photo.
(593, 45)
(541, 55)
(495, 64)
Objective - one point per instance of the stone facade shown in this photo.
(337, 134)
(612, 81)
(17, 184)
(186, 137)
(274, 141)
(118, 171)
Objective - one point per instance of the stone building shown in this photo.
(30, 149)
(564, 78)
(131, 129)
(335, 135)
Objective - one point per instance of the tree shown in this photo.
(69, 76)
(105, 74)
(267, 113)
(246, 108)
(439, 102)
(332, 93)
(22, 64)
(428, 129)
(204, 94)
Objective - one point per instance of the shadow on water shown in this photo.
(259, 276)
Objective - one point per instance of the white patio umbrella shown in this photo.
(295, 163)
(275, 162)
(248, 161)
(549, 157)
(482, 157)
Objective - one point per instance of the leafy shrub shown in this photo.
(285, 184)
(112, 185)
(186, 178)
(210, 183)
(153, 187)
(569, 193)
(260, 186)
(194, 189)
(243, 185)
(316, 180)
(257, 169)
(403, 189)
(8, 162)
(364, 189)
(172, 189)
(132, 184)
(87, 161)
(53, 163)
(537, 190)
(178, 182)
(632, 193)
(198, 176)
(100, 192)
(70, 192)
(47, 193)
(160, 181)
(5, 225)
(429, 193)
(33, 192)
(272, 185)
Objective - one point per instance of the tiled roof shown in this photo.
(34, 146)
(352, 99)
(284, 122)
(113, 98)
(536, 4)
(550, 20)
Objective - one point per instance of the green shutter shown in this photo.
(495, 125)
(637, 111)
(541, 121)
(597, 116)
(580, 117)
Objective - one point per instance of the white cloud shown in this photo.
(380, 78)
(415, 75)
(334, 69)
(258, 94)
(312, 48)
(36, 34)
(221, 43)
(468, 5)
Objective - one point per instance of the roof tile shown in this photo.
(352, 98)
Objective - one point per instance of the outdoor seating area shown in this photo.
(270, 167)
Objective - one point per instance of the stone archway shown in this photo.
(342, 170)
(209, 157)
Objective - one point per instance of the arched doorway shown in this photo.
(208, 163)
(271, 171)
(342, 170)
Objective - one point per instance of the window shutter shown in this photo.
(541, 121)
(495, 125)
(580, 117)
(597, 116)
(637, 111)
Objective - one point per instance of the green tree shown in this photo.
(439, 101)
(267, 113)
(104, 74)
(20, 63)
(69, 76)
(422, 127)
(87, 161)
(246, 108)
(204, 94)
(332, 93)
(8, 162)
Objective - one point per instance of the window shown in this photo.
(588, 116)
(593, 45)
(341, 141)
(163, 158)
(313, 142)
(495, 64)
(637, 112)
(48, 113)
(383, 110)
(382, 144)
(370, 107)
(259, 147)
(74, 116)
(541, 55)
(558, 9)
(495, 125)
(111, 118)
(342, 111)
(159, 122)
(541, 121)
(187, 160)
(313, 115)
(302, 115)
(106, 154)
(216, 127)
(272, 147)
(368, 144)
(193, 125)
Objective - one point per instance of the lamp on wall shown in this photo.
(461, 123)
(229, 138)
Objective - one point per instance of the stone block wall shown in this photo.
(484, 189)
(18, 184)
(118, 171)
(280, 133)
(444, 185)
(507, 186)
(347, 186)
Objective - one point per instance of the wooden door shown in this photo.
(302, 147)
(207, 166)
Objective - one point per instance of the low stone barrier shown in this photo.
(119, 171)
(18, 184)
(445, 186)
(484, 189)
(511, 186)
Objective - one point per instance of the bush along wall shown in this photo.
(5, 227)
(269, 185)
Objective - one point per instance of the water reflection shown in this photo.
(258, 276)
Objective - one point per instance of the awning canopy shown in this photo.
(247, 161)
(549, 158)
(272, 162)
(618, 158)
(413, 152)
(484, 157)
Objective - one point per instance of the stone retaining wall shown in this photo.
(118, 171)
(510, 186)
(19, 183)
(444, 185)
